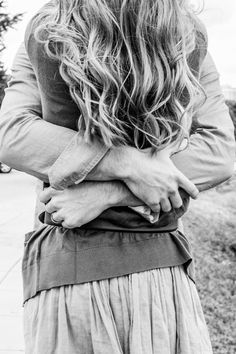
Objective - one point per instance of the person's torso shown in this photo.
(59, 108)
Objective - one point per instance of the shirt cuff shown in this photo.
(76, 162)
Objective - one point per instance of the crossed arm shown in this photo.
(33, 145)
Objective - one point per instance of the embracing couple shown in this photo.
(115, 106)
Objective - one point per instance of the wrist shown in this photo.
(120, 195)
(114, 193)
(117, 163)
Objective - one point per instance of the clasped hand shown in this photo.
(79, 204)
(156, 181)
(152, 180)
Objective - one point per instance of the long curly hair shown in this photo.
(126, 63)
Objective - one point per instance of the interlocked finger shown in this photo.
(188, 186)
(176, 200)
(50, 207)
(165, 205)
(45, 195)
(56, 218)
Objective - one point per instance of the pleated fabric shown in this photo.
(152, 312)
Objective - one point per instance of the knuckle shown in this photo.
(155, 206)
(178, 205)
(53, 191)
(49, 207)
(174, 175)
(165, 205)
(172, 191)
(159, 193)
(154, 203)
(169, 180)
(67, 225)
(172, 186)
(70, 222)
(166, 209)
(152, 199)
(41, 197)
(53, 203)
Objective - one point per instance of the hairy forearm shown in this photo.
(116, 164)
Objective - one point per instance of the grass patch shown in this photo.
(211, 227)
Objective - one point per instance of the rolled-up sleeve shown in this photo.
(27, 142)
(209, 158)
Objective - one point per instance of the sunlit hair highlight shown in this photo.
(126, 65)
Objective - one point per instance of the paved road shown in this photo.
(17, 200)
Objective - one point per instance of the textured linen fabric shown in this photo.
(153, 312)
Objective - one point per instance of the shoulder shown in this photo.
(199, 54)
(201, 39)
(35, 22)
(201, 29)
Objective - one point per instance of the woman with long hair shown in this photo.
(128, 67)
(111, 272)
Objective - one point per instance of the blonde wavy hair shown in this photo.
(126, 65)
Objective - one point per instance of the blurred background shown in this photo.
(210, 222)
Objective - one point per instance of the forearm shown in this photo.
(117, 164)
(32, 144)
(121, 195)
(118, 194)
(209, 158)
(35, 146)
(27, 142)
